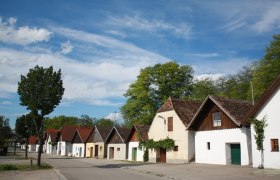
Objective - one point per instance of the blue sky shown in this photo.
(100, 46)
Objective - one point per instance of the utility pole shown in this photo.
(252, 90)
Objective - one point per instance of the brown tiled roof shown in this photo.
(32, 140)
(67, 132)
(84, 133)
(270, 91)
(53, 134)
(236, 110)
(142, 130)
(123, 132)
(103, 131)
(185, 109)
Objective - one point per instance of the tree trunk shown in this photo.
(26, 157)
(262, 160)
(15, 147)
(41, 140)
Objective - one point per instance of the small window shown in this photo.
(208, 145)
(170, 124)
(175, 148)
(274, 145)
(118, 149)
(100, 148)
(217, 120)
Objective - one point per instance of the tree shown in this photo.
(25, 128)
(104, 122)
(152, 88)
(203, 88)
(5, 130)
(58, 121)
(86, 121)
(41, 90)
(259, 126)
(268, 68)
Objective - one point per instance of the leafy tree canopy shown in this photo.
(153, 87)
(41, 90)
(5, 130)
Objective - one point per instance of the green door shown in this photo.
(134, 154)
(235, 154)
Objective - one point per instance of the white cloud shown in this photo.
(209, 76)
(270, 19)
(151, 25)
(66, 47)
(230, 65)
(6, 102)
(115, 117)
(117, 33)
(23, 35)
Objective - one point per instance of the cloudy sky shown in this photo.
(100, 46)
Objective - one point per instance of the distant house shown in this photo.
(138, 133)
(117, 143)
(33, 145)
(268, 107)
(79, 141)
(65, 137)
(171, 121)
(96, 146)
(221, 134)
(51, 141)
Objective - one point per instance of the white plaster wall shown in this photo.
(102, 149)
(118, 155)
(76, 147)
(272, 112)
(140, 152)
(158, 131)
(220, 141)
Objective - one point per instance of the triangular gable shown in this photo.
(183, 108)
(76, 138)
(103, 132)
(118, 135)
(235, 110)
(267, 95)
(138, 131)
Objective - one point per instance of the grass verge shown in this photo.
(10, 167)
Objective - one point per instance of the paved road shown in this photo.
(83, 169)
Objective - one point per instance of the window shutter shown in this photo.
(170, 123)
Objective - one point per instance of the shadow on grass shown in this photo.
(10, 167)
(112, 166)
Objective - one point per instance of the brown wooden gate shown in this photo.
(162, 155)
(96, 151)
(111, 153)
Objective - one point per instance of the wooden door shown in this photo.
(134, 154)
(235, 154)
(162, 155)
(91, 152)
(96, 151)
(111, 153)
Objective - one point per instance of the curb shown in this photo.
(59, 175)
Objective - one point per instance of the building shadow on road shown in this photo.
(111, 166)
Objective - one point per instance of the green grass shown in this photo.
(10, 167)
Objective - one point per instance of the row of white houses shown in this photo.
(217, 131)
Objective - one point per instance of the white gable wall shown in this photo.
(272, 131)
(140, 152)
(119, 151)
(180, 135)
(78, 150)
(220, 141)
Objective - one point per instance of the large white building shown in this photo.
(221, 136)
(171, 121)
(268, 107)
